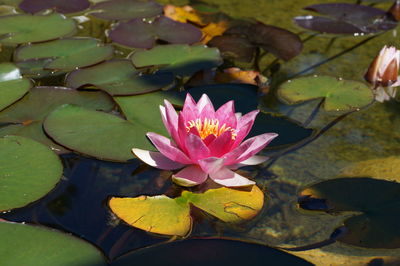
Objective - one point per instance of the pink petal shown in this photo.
(244, 126)
(172, 121)
(196, 148)
(156, 159)
(204, 102)
(211, 164)
(190, 176)
(229, 178)
(189, 111)
(226, 115)
(254, 160)
(168, 149)
(221, 144)
(209, 139)
(249, 148)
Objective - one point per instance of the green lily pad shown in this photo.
(28, 171)
(166, 216)
(126, 9)
(376, 205)
(339, 94)
(24, 244)
(144, 110)
(98, 134)
(27, 114)
(180, 59)
(210, 251)
(65, 54)
(119, 77)
(16, 29)
(12, 85)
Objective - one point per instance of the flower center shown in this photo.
(208, 127)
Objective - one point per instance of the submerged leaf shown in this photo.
(28, 171)
(118, 77)
(375, 202)
(138, 33)
(12, 85)
(179, 58)
(60, 6)
(126, 9)
(163, 215)
(339, 94)
(16, 29)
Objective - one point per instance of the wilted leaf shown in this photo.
(158, 214)
(12, 85)
(163, 215)
(16, 29)
(118, 77)
(138, 33)
(376, 205)
(28, 171)
(24, 244)
(60, 6)
(179, 58)
(212, 30)
(126, 9)
(183, 14)
(339, 94)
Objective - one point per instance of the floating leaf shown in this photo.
(183, 14)
(345, 18)
(60, 6)
(158, 214)
(375, 202)
(24, 244)
(163, 215)
(126, 9)
(119, 77)
(137, 33)
(208, 251)
(28, 113)
(235, 47)
(28, 171)
(244, 95)
(12, 85)
(278, 41)
(66, 54)
(339, 94)
(101, 135)
(228, 205)
(16, 29)
(179, 58)
(212, 30)
(144, 110)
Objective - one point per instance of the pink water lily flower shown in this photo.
(205, 143)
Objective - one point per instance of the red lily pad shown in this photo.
(60, 6)
(278, 41)
(118, 77)
(138, 33)
(235, 47)
(126, 9)
(63, 55)
(16, 29)
(27, 114)
(344, 18)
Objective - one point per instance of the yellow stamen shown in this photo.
(209, 127)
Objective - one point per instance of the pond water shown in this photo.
(362, 148)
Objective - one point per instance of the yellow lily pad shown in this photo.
(158, 214)
(166, 216)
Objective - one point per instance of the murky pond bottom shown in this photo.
(364, 144)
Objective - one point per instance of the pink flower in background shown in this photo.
(382, 73)
(205, 143)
